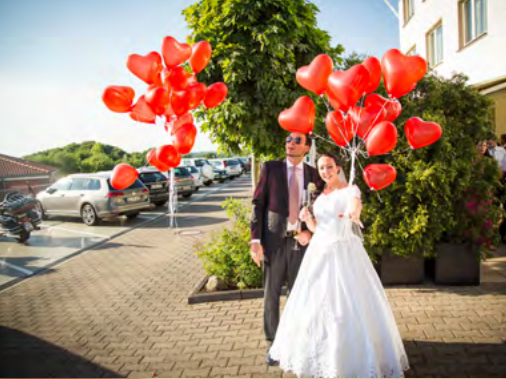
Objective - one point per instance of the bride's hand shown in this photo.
(355, 217)
(305, 215)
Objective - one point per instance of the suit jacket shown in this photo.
(271, 204)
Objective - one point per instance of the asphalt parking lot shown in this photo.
(62, 238)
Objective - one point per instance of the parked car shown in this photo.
(220, 175)
(156, 183)
(245, 164)
(91, 197)
(183, 182)
(203, 165)
(231, 166)
(198, 178)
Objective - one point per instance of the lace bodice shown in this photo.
(326, 208)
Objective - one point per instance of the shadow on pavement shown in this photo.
(25, 356)
(455, 360)
(481, 290)
(24, 262)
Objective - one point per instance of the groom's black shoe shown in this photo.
(268, 359)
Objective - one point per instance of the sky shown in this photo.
(58, 56)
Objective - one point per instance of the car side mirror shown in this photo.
(51, 190)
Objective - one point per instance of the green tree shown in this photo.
(257, 48)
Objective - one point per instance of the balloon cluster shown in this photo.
(370, 122)
(173, 92)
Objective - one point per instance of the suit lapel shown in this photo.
(307, 177)
(284, 179)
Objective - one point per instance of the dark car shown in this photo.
(183, 181)
(156, 183)
(245, 164)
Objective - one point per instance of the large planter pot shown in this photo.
(457, 264)
(402, 270)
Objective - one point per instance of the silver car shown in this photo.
(91, 197)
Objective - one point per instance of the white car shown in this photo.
(203, 166)
(230, 165)
(198, 179)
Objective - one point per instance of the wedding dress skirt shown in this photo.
(337, 321)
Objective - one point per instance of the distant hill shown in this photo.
(91, 156)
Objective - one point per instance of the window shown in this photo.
(473, 20)
(412, 51)
(435, 44)
(62, 184)
(409, 10)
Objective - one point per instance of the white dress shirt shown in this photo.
(499, 155)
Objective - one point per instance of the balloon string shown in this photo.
(172, 199)
(409, 155)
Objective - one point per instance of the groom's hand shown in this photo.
(257, 252)
(304, 237)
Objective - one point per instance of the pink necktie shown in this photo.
(293, 214)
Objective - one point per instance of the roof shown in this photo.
(11, 167)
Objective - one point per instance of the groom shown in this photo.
(276, 205)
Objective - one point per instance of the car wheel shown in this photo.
(89, 216)
(196, 189)
(222, 181)
(160, 203)
(187, 195)
(132, 215)
(23, 236)
(208, 183)
(40, 210)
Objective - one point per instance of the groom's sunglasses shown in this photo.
(297, 140)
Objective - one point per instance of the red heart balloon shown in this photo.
(158, 99)
(339, 128)
(153, 161)
(300, 117)
(372, 65)
(175, 53)
(381, 139)
(402, 72)
(123, 176)
(347, 87)
(201, 55)
(314, 77)
(421, 133)
(184, 138)
(392, 107)
(147, 67)
(182, 120)
(197, 93)
(378, 175)
(336, 104)
(216, 94)
(118, 98)
(178, 78)
(365, 119)
(168, 155)
(180, 102)
(142, 112)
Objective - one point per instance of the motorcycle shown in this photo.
(19, 216)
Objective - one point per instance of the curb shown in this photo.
(197, 297)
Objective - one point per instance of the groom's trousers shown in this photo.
(280, 266)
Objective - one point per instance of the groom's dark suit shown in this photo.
(269, 225)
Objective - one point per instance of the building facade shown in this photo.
(18, 174)
(466, 36)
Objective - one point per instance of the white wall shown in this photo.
(483, 60)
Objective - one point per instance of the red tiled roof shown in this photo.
(11, 167)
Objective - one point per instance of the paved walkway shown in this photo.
(121, 310)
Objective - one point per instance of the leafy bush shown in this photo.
(227, 255)
(426, 203)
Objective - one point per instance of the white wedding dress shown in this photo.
(337, 321)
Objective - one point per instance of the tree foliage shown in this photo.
(257, 48)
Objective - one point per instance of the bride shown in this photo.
(337, 321)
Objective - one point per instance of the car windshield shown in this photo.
(215, 163)
(193, 169)
(148, 177)
(200, 163)
(181, 171)
(233, 162)
(137, 185)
